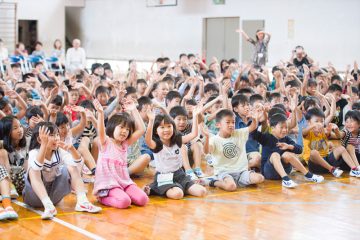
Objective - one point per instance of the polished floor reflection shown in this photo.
(328, 210)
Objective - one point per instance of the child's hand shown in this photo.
(53, 113)
(78, 109)
(204, 130)
(54, 92)
(283, 146)
(12, 94)
(63, 145)
(332, 126)
(129, 105)
(98, 106)
(44, 135)
(150, 114)
(197, 110)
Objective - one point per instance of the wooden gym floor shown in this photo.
(330, 210)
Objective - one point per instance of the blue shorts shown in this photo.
(330, 159)
(269, 171)
(147, 151)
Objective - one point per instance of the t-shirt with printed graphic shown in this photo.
(168, 158)
(230, 153)
(315, 142)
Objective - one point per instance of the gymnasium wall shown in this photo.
(50, 15)
(123, 29)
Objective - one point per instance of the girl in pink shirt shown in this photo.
(113, 185)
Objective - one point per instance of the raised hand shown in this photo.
(78, 109)
(150, 114)
(129, 105)
(44, 134)
(98, 106)
(63, 145)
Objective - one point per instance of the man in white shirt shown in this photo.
(75, 57)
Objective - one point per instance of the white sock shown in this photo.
(81, 197)
(47, 203)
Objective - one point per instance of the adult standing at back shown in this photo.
(261, 43)
(75, 57)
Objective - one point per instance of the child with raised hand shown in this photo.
(317, 148)
(279, 153)
(113, 185)
(228, 148)
(52, 172)
(350, 135)
(167, 144)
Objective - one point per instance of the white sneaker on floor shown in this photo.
(355, 173)
(315, 178)
(48, 213)
(87, 207)
(289, 184)
(337, 172)
(192, 176)
(11, 213)
(13, 193)
(199, 173)
(3, 214)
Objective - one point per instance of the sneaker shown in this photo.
(315, 178)
(289, 184)
(210, 160)
(11, 213)
(355, 173)
(48, 213)
(199, 173)
(205, 181)
(337, 172)
(192, 176)
(13, 193)
(87, 207)
(3, 214)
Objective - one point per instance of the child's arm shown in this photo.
(293, 106)
(72, 150)
(289, 145)
(195, 127)
(149, 131)
(44, 138)
(86, 90)
(330, 117)
(309, 128)
(75, 131)
(20, 103)
(100, 122)
(207, 147)
(139, 123)
(255, 120)
(335, 132)
(306, 78)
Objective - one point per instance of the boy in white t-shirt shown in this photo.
(228, 148)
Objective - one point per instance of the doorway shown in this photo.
(27, 32)
(220, 38)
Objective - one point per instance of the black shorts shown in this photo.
(330, 159)
(180, 180)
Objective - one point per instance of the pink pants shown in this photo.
(122, 199)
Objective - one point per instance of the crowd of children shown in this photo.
(245, 122)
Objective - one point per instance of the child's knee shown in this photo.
(175, 193)
(287, 155)
(142, 199)
(275, 157)
(350, 148)
(341, 149)
(314, 153)
(257, 178)
(229, 186)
